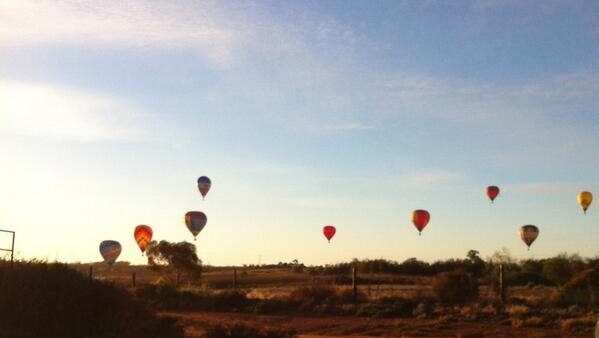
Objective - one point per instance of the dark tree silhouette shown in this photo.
(180, 257)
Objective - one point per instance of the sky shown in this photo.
(303, 113)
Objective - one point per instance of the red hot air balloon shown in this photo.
(329, 232)
(143, 236)
(492, 192)
(420, 219)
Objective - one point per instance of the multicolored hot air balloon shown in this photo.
(329, 231)
(528, 234)
(584, 199)
(204, 184)
(110, 251)
(492, 192)
(420, 219)
(143, 236)
(195, 221)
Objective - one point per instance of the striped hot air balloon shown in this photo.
(195, 221)
(110, 251)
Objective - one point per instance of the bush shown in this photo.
(53, 300)
(244, 331)
(315, 293)
(582, 289)
(455, 287)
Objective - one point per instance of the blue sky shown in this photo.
(303, 114)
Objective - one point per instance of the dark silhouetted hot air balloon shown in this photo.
(329, 231)
(584, 199)
(143, 236)
(528, 234)
(110, 251)
(492, 192)
(204, 184)
(195, 221)
(420, 219)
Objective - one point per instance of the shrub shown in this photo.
(53, 300)
(455, 287)
(244, 331)
(582, 289)
(315, 293)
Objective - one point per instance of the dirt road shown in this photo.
(355, 327)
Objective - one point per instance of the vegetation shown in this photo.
(455, 287)
(180, 257)
(53, 300)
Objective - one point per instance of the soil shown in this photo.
(356, 327)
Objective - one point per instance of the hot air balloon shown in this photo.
(143, 236)
(195, 221)
(329, 231)
(110, 251)
(204, 184)
(584, 199)
(528, 234)
(492, 192)
(420, 219)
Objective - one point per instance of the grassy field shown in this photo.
(392, 305)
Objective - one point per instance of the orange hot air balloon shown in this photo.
(420, 219)
(492, 192)
(143, 236)
(329, 231)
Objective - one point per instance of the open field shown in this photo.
(269, 300)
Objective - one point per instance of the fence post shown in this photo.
(12, 250)
(502, 286)
(91, 272)
(354, 284)
(133, 278)
(235, 279)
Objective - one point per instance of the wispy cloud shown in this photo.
(131, 23)
(41, 110)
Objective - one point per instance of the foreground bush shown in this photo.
(455, 287)
(51, 300)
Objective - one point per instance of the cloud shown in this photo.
(40, 110)
(131, 23)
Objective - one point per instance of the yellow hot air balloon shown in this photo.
(584, 199)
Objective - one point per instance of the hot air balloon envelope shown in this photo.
(110, 251)
(420, 219)
(143, 236)
(204, 185)
(195, 221)
(492, 192)
(584, 199)
(329, 231)
(528, 234)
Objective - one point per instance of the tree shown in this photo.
(180, 257)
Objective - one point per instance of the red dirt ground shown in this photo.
(356, 327)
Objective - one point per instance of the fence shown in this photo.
(12, 246)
